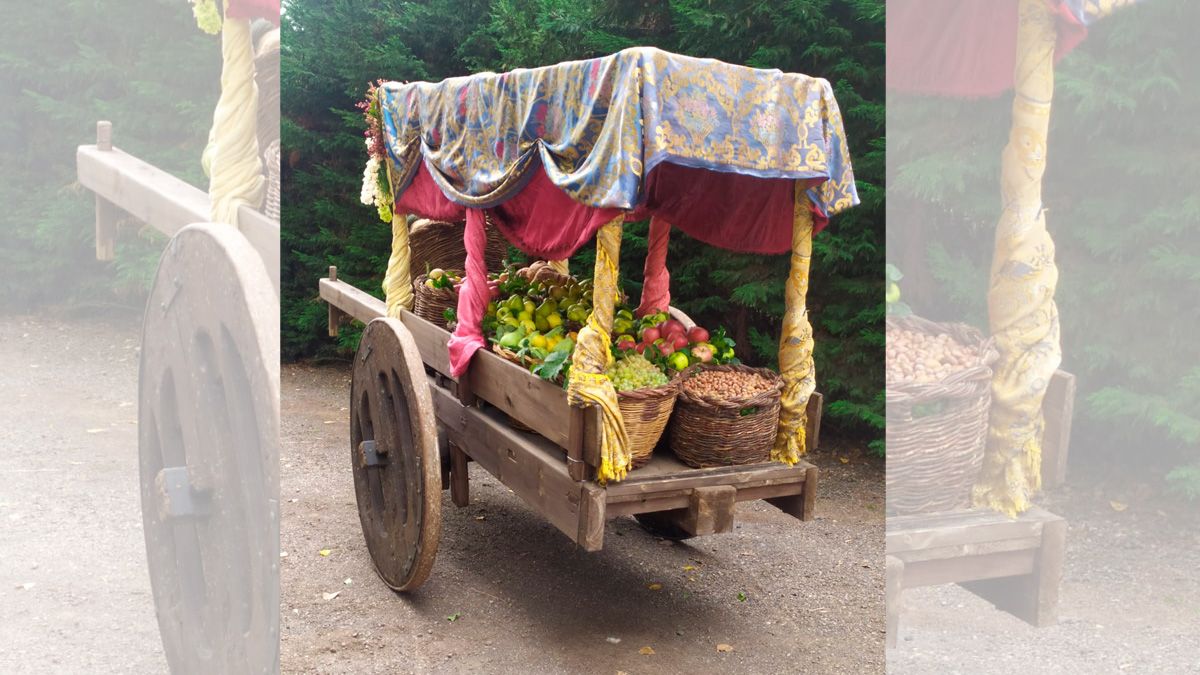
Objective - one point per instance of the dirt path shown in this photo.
(523, 599)
(74, 592)
(1129, 600)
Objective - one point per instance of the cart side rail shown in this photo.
(122, 182)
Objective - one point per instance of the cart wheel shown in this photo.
(395, 456)
(654, 523)
(208, 446)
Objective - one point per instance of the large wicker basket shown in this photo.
(431, 303)
(437, 244)
(646, 413)
(936, 431)
(707, 431)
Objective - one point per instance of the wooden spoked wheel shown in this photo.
(395, 456)
(208, 445)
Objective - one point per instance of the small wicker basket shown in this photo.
(936, 431)
(646, 413)
(708, 431)
(436, 244)
(431, 303)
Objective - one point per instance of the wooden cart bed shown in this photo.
(550, 467)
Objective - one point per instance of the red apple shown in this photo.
(626, 345)
(650, 335)
(640, 347)
(671, 326)
(666, 348)
(697, 334)
(703, 352)
(679, 341)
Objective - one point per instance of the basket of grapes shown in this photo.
(646, 397)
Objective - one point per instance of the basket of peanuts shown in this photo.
(938, 394)
(726, 414)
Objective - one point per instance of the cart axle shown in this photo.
(180, 495)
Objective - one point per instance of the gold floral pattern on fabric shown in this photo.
(597, 127)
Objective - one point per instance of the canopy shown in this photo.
(968, 48)
(748, 160)
(713, 148)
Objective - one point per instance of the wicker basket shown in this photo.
(936, 431)
(646, 413)
(434, 244)
(707, 431)
(431, 303)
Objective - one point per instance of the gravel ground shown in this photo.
(1129, 601)
(509, 593)
(74, 592)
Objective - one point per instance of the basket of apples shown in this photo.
(434, 293)
(646, 371)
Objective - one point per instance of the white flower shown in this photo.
(370, 186)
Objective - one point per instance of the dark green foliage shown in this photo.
(1121, 204)
(333, 49)
(63, 66)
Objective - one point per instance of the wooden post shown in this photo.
(460, 492)
(336, 316)
(894, 586)
(106, 212)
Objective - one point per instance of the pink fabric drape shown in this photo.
(656, 289)
(472, 298)
(731, 211)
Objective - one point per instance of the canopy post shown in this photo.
(1021, 310)
(397, 281)
(656, 289)
(561, 266)
(796, 339)
(588, 384)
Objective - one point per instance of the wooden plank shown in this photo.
(165, 202)
(972, 568)
(801, 504)
(648, 480)
(893, 596)
(460, 491)
(1058, 409)
(1031, 597)
(812, 429)
(359, 305)
(971, 549)
(919, 532)
(679, 499)
(536, 403)
(527, 464)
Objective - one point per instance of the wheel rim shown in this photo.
(394, 455)
(208, 453)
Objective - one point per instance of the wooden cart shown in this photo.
(1016, 564)
(208, 413)
(403, 399)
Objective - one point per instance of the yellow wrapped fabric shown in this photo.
(589, 385)
(796, 340)
(397, 281)
(1021, 309)
(232, 156)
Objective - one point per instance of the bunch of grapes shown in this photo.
(635, 372)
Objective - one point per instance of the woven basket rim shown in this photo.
(761, 398)
(420, 287)
(959, 384)
(662, 391)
